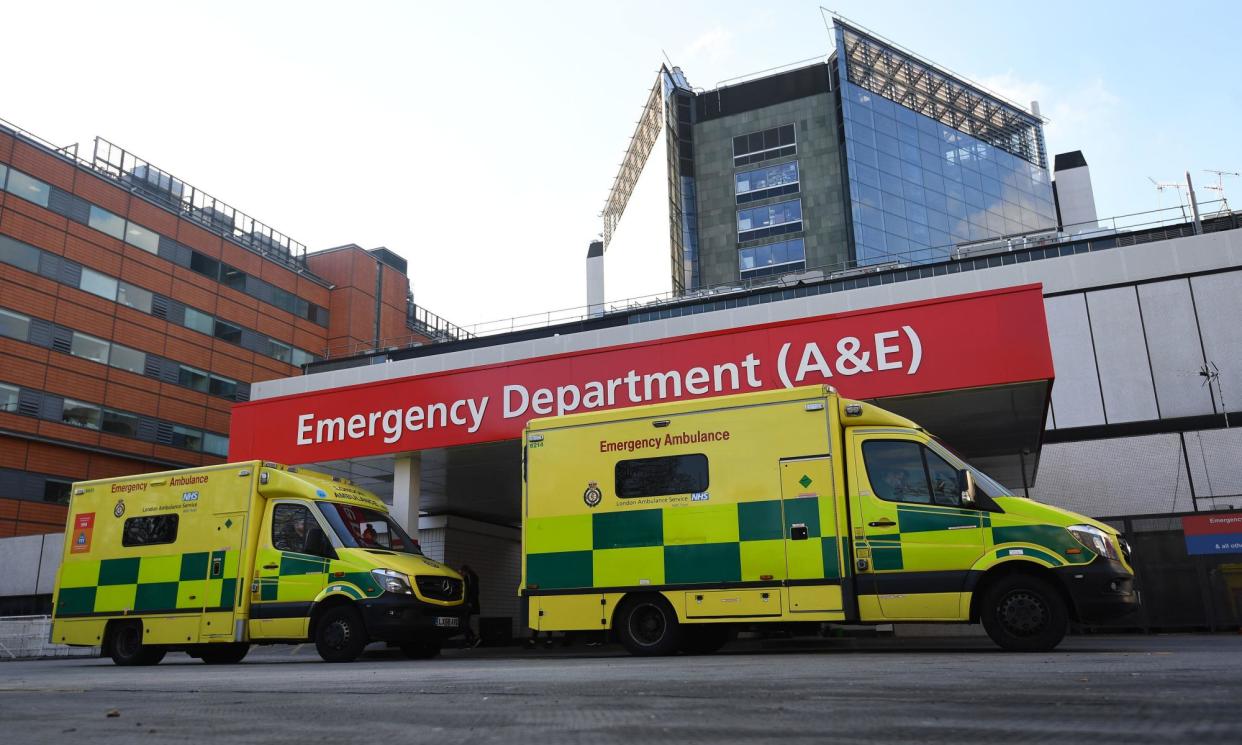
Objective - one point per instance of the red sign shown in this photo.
(83, 527)
(966, 341)
(1212, 524)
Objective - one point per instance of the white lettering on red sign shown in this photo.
(880, 352)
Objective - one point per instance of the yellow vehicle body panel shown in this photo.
(190, 553)
(778, 521)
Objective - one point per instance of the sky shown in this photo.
(479, 139)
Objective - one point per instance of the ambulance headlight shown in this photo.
(394, 582)
(1094, 539)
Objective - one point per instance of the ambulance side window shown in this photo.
(291, 523)
(656, 477)
(151, 530)
(895, 470)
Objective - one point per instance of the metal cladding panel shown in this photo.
(1076, 394)
(1121, 355)
(1219, 306)
(1121, 476)
(1174, 348)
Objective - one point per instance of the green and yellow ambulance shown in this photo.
(673, 525)
(212, 560)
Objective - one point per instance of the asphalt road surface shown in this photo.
(1130, 689)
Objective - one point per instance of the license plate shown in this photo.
(447, 621)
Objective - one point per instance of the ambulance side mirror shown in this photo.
(966, 486)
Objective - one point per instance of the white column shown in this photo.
(406, 489)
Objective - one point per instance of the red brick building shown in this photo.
(136, 309)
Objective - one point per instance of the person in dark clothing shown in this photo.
(471, 580)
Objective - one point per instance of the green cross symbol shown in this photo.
(228, 523)
(805, 481)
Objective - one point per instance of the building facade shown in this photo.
(874, 156)
(135, 310)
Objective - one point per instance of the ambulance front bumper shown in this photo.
(397, 618)
(1102, 590)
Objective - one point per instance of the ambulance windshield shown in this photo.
(358, 527)
(984, 482)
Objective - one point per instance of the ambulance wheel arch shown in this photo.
(646, 624)
(1023, 606)
(123, 642)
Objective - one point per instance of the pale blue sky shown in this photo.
(479, 140)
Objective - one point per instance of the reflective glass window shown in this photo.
(228, 332)
(4, 174)
(193, 378)
(56, 491)
(772, 254)
(19, 254)
(302, 357)
(119, 423)
(14, 325)
(187, 437)
(214, 444)
(772, 214)
(764, 178)
(654, 477)
(128, 359)
(89, 348)
(134, 297)
(140, 237)
(105, 222)
(28, 187)
(98, 284)
(199, 321)
(282, 352)
(81, 414)
(8, 398)
(223, 387)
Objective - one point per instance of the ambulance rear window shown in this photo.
(151, 530)
(656, 477)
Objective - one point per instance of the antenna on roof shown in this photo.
(1219, 186)
(666, 59)
(1162, 185)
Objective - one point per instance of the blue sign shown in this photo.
(1214, 543)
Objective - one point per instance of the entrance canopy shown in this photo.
(975, 369)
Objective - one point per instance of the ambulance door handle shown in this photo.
(271, 566)
(885, 523)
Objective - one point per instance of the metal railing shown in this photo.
(192, 203)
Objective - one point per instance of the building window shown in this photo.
(97, 284)
(656, 477)
(128, 359)
(8, 398)
(302, 357)
(120, 423)
(214, 444)
(14, 325)
(150, 530)
(4, 175)
(134, 297)
(140, 237)
(769, 220)
(89, 348)
(28, 188)
(205, 265)
(788, 255)
(757, 147)
(56, 491)
(187, 437)
(199, 321)
(81, 414)
(762, 183)
(106, 222)
(223, 387)
(282, 352)
(234, 278)
(19, 254)
(228, 332)
(192, 378)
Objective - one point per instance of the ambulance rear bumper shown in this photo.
(397, 618)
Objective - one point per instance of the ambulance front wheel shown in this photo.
(340, 635)
(126, 648)
(647, 626)
(1024, 613)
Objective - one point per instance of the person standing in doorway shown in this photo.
(471, 580)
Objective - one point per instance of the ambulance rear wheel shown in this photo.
(648, 627)
(126, 648)
(223, 654)
(1022, 613)
(340, 635)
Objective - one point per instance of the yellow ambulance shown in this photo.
(211, 560)
(673, 525)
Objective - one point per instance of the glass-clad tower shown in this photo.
(932, 161)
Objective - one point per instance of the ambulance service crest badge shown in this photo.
(592, 496)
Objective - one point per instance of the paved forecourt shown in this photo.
(1133, 689)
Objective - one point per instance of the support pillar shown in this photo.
(407, 475)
